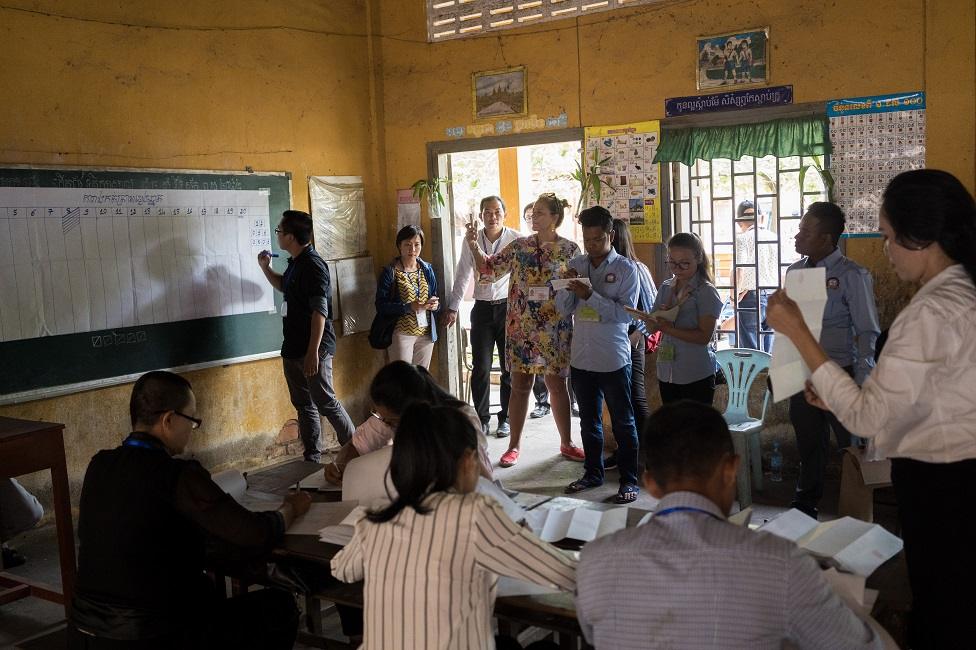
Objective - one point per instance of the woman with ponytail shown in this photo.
(685, 361)
(431, 559)
(918, 404)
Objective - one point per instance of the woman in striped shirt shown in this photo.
(432, 558)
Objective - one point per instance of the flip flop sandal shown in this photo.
(626, 494)
(584, 483)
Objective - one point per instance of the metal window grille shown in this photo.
(449, 19)
(704, 198)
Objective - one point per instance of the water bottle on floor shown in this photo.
(776, 463)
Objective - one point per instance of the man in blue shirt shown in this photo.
(600, 355)
(850, 329)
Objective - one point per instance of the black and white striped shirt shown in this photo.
(430, 579)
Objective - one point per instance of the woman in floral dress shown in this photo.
(537, 336)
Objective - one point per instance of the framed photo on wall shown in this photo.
(732, 61)
(499, 93)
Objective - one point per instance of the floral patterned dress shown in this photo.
(537, 336)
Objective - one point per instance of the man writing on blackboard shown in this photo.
(309, 341)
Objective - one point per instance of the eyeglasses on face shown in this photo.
(684, 265)
(196, 422)
(281, 231)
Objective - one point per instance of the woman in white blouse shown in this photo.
(432, 558)
(919, 404)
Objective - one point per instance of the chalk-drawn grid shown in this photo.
(76, 269)
(449, 19)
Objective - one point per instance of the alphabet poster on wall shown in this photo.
(874, 139)
(632, 188)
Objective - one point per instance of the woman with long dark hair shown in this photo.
(687, 306)
(918, 405)
(431, 558)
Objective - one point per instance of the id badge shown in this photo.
(422, 318)
(665, 352)
(588, 314)
(538, 294)
(284, 308)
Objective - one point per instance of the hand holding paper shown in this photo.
(563, 283)
(803, 302)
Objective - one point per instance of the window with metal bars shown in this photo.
(747, 213)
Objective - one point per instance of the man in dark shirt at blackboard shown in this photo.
(310, 342)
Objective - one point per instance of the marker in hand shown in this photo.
(268, 254)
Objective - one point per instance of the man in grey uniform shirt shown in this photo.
(690, 579)
(850, 329)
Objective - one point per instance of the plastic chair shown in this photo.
(741, 366)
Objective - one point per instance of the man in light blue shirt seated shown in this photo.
(690, 579)
(600, 355)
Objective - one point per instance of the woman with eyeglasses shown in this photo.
(395, 386)
(685, 312)
(917, 406)
(537, 335)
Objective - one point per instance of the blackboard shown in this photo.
(100, 352)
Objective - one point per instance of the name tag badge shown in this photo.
(422, 318)
(538, 294)
(588, 314)
(665, 352)
(284, 308)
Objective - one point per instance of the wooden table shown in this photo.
(555, 612)
(29, 446)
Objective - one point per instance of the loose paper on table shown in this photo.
(788, 372)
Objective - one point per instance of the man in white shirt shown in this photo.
(690, 579)
(488, 314)
(755, 252)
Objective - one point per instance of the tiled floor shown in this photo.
(541, 470)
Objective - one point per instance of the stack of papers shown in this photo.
(341, 533)
(233, 483)
(787, 371)
(320, 515)
(850, 544)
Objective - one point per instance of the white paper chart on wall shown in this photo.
(80, 260)
(873, 140)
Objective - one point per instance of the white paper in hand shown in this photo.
(788, 372)
(563, 283)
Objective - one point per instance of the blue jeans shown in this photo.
(591, 389)
(747, 325)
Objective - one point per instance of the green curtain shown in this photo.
(801, 136)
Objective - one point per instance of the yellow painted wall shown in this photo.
(223, 84)
(620, 66)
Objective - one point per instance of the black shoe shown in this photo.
(610, 462)
(810, 511)
(12, 558)
(503, 430)
(540, 411)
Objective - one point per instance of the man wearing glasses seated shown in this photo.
(145, 518)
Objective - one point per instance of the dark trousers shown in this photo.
(488, 335)
(540, 391)
(812, 426)
(702, 391)
(267, 618)
(935, 509)
(314, 397)
(591, 389)
(638, 393)
(747, 324)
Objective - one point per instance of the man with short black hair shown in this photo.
(756, 256)
(309, 341)
(145, 518)
(850, 329)
(600, 364)
(690, 579)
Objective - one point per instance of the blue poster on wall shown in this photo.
(730, 101)
(876, 104)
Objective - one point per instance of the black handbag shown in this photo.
(381, 330)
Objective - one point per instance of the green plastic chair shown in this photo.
(741, 366)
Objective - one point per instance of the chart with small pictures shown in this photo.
(874, 139)
(624, 154)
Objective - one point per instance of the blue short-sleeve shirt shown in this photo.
(691, 361)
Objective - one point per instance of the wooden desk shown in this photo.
(27, 446)
(555, 612)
